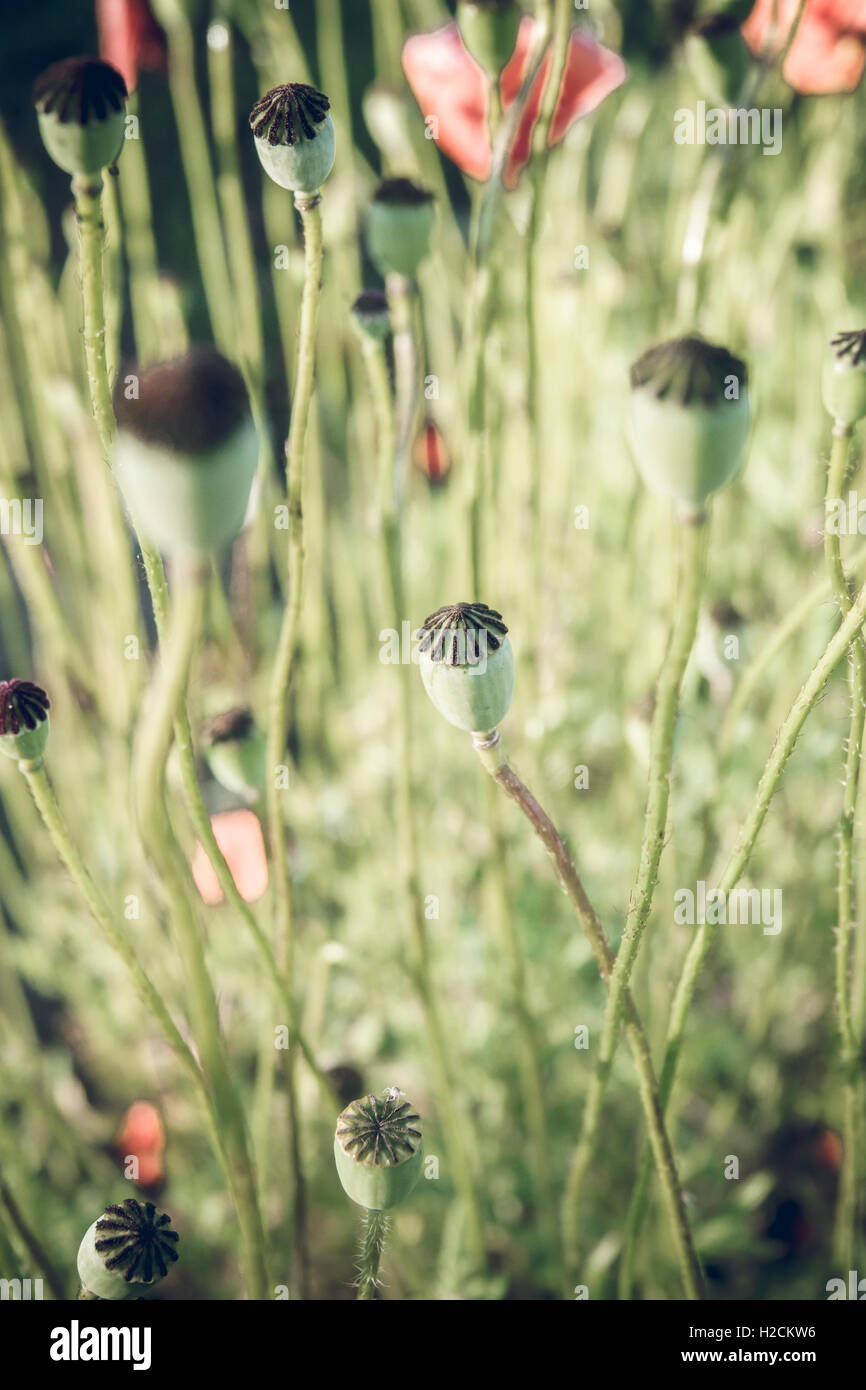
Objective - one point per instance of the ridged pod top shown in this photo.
(402, 193)
(192, 404)
(453, 634)
(78, 89)
(687, 371)
(850, 348)
(136, 1241)
(21, 704)
(379, 1131)
(288, 114)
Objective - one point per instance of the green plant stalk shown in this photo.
(375, 1234)
(88, 208)
(152, 753)
(693, 542)
(400, 296)
(489, 749)
(846, 1208)
(453, 1123)
(30, 1241)
(198, 172)
(807, 698)
(140, 245)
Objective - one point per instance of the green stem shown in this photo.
(30, 1241)
(453, 1123)
(489, 749)
(693, 541)
(809, 694)
(845, 1224)
(375, 1234)
(88, 208)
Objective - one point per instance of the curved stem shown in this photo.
(693, 540)
(809, 694)
(489, 748)
(375, 1234)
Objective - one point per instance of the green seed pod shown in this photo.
(379, 1150)
(186, 451)
(128, 1250)
(234, 750)
(24, 721)
(689, 418)
(844, 378)
(294, 136)
(488, 29)
(467, 665)
(81, 109)
(399, 224)
(371, 315)
(719, 58)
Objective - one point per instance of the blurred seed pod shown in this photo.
(379, 1150)
(371, 315)
(467, 665)
(399, 225)
(128, 1250)
(430, 456)
(234, 750)
(81, 110)
(186, 451)
(24, 722)
(488, 29)
(294, 136)
(689, 418)
(843, 379)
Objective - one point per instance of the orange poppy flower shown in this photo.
(130, 38)
(450, 87)
(142, 1137)
(239, 836)
(430, 455)
(829, 49)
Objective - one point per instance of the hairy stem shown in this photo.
(375, 1234)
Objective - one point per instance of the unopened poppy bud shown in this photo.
(488, 29)
(24, 721)
(379, 1150)
(467, 665)
(234, 748)
(81, 109)
(371, 315)
(689, 418)
(719, 57)
(294, 136)
(844, 378)
(430, 455)
(127, 1250)
(399, 225)
(186, 451)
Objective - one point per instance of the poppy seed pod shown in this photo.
(467, 665)
(488, 29)
(127, 1250)
(689, 418)
(843, 379)
(371, 315)
(24, 721)
(81, 109)
(719, 57)
(379, 1150)
(294, 136)
(399, 225)
(234, 750)
(186, 451)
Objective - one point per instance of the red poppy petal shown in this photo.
(449, 85)
(828, 53)
(239, 836)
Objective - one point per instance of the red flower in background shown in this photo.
(430, 455)
(142, 1137)
(448, 84)
(828, 53)
(130, 38)
(239, 836)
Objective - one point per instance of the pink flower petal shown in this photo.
(829, 50)
(239, 836)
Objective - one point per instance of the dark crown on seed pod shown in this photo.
(379, 1131)
(78, 89)
(850, 347)
(289, 113)
(402, 192)
(687, 370)
(233, 725)
(21, 704)
(191, 404)
(136, 1241)
(452, 634)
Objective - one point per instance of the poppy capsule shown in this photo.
(81, 110)
(844, 378)
(430, 455)
(379, 1150)
(127, 1250)
(294, 136)
(24, 721)
(467, 665)
(399, 225)
(488, 29)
